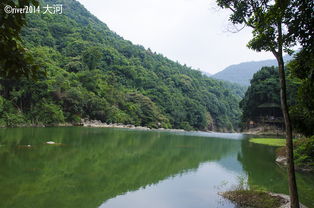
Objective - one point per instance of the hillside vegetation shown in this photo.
(93, 73)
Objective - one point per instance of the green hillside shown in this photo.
(93, 73)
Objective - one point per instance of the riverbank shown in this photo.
(303, 155)
(264, 130)
(303, 151)
(97, 124)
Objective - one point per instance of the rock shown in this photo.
(281, 160)
(50, 142)
(287, 198)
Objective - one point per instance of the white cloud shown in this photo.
(193, 32)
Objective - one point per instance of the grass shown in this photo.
(252, 198)
(269, 141)
(242, 196)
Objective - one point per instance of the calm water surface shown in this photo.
(117, 168)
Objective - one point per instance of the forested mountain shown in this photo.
(262, 99)
(242, 73)
(93, 73)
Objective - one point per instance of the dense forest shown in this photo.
(265, 89)
(90, 72)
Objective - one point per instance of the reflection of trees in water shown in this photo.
(259, 163)
(94, 164)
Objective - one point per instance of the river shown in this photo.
(117, 168)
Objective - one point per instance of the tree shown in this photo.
(92, 56)
(15, 60)
(276, 29)
(264, 88)
(302, 71)
(48, 113)
(301, 23)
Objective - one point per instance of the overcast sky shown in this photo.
(193, 32)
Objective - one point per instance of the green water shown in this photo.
(128, 168)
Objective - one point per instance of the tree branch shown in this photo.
(243, 18)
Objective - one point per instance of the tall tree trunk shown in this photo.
(289, 142)
(294, 199)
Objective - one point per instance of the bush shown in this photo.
(49, 114)
(74, 119)
(13, 119)
(304, 152)
(1, 104)
(10, 116)
(186, 126)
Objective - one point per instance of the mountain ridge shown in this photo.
(243, 72)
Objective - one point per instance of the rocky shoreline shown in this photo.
(286, 198)
(99, 124)
(282, 161)
(264, 131)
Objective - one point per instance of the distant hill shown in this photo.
(242, 73)
(207, 74)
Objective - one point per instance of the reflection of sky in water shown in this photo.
(206, 134)
(197, 189)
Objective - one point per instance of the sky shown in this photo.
(193, 32)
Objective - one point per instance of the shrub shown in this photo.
(49, 114)
(13, 119)
(304, 152)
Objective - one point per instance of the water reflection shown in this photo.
(264, 173)
(94, 165)
(195, 189)
(127, 168)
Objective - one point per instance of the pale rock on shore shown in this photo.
(99, 124)
(287, 199)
